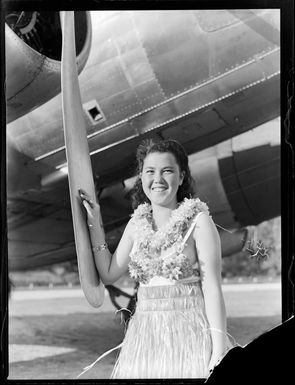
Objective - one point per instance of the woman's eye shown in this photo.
(168, 171)
(149, 171)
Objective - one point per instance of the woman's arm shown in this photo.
(209, 253)
(110, 267)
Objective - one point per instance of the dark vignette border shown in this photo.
(267, 357)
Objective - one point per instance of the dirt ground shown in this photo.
(87, 333)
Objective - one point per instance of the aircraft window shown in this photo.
(93, 111)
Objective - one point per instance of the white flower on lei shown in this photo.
(176, 266)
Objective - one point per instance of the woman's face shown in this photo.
(161, 178)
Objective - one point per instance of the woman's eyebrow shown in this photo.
(172, 167)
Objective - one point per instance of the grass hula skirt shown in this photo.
(168, 335)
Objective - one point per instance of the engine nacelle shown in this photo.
(33, 57)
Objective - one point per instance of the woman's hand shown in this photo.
(215, 359)
(92, 208)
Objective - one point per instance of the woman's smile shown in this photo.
(159, 188)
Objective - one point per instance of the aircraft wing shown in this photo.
(200, 77)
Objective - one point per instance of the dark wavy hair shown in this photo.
(148, 146)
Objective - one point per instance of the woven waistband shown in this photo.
(170, 297)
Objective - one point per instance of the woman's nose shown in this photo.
(158, 177)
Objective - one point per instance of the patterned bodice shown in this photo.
(161, 253)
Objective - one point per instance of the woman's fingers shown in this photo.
(86, 198)
(83, 193)
(88, 208)
(92, 208)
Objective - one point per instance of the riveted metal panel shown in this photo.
(136, 67)
(182, 64)
(199, 125)
(210, 21)
(100, 80)
(120, 106)
(178, 57)
(149, 93)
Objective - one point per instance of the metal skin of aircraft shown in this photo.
(204, 78)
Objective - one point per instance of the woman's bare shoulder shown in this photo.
(204, 222)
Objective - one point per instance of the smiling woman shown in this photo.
(172, 249)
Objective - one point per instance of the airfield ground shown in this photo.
(54, 334)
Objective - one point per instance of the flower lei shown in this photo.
(146, 260)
